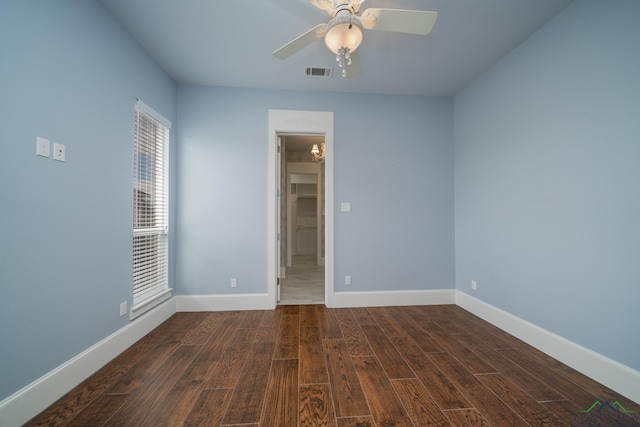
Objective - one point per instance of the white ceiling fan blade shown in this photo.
(399, 20)
(300, 42)
(355, 69)
(323, 4)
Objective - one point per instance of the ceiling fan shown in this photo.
(343, 34)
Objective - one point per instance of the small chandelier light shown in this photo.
(344, 35)
(318, 153)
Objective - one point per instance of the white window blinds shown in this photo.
(150, 205)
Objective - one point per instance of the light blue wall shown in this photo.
(547, 194)
(69, 73)
(393, 162)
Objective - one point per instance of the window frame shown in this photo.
(150, 242)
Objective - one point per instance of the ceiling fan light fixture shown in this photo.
(343, 36)
(344, 31)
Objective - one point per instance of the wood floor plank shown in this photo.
(550, 377)
(520, 402)
(202, 333)
(176, 405)
(472, 361)
(190, 321)
(443, 391)
(209, 408)
(73, 402)
(226, 372)
(329, 326)
(145, 367)
(356, 422)
(308, 316)
(281, 401)
(220, 338)
(289, 310)
(316, 406)
(469, 417)
(449, 319)
(348, 397)
(363, 316)
(419, 404)
(534, 387)
(288, 344)
(252, 319)
(137, 407)
(390, 358)
(98, 411)
(384, 403)
(313, 366)
(387, 322)
(426, 342)
(564, 409)
(248, 395)
(269, 326)
(591, 386)
(490, 406)
(353, 335)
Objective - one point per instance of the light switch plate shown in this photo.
(58, 152)
(345, 206)
(43, 147)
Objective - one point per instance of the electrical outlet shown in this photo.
(234, 282)
(59, 152)
(474, 285)
(43, 147)
(123, 309)
(347, 280)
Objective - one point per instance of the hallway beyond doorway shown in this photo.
(304, 283)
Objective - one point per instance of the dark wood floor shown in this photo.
(313, 366)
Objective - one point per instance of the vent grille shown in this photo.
(319, 72)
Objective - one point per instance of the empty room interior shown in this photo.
(462, 205)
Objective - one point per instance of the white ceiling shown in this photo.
(229, 43)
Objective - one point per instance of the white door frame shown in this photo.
(282, 122)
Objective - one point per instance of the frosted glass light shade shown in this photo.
(345, 30)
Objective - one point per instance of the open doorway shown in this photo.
(281, 124)
(302, 220)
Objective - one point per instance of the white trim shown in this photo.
(393, 298)
(297, 123)
(619, 377)
(28, 402)
(149, 303)
(223, 302)
(150, 111)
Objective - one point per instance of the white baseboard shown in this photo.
(28, 402)
(224, 302)
(393, 298)
(616, 376)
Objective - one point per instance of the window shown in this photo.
(150, 210)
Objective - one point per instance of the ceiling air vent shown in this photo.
(319, 72)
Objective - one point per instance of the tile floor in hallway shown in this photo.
(304, 283)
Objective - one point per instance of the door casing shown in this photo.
(294, 122)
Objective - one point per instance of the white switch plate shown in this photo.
(123, 309)
(474, 285)
(234, 282)
(345, 206)
(347, 280)
(58, 152)
(43, 147)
